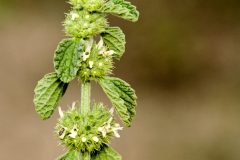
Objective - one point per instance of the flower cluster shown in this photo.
(87, 132)
(96, 61)
(84, 24)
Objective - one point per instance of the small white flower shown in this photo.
(61, 114)
(95, 139)
(103, 130)
(115, 130)
(73, 132)
(86, 55)
(100, 44)
(74, 16)
(91, 64)
(90, 44)
(109, 122)
(62, 133)
(84, 139)
(109, 53)
(102, 51)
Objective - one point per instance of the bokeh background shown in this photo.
(182, 58)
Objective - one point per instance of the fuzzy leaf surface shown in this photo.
(123, 9)
(114, 38)
(48, 92)
(67, 59)
(106, 153)
(122, 96)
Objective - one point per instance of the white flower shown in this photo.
(103, 130)
(91, 64)
(84, 139)
(73, 132)
(100, 44)
(74, 16)
(96, 139)
(115, 130)
(62, 133)
(86, 54)
(106, 53)
(61, 114)
(109, 53)
(107, 128)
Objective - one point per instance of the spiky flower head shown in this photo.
(97, 61)
(87, 132)
(84, 24)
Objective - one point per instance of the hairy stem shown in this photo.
(85, 97)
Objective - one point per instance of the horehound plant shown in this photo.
(87, 128)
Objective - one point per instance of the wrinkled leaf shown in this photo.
(106, 153)
(67, 59)
(122, 8)
(122, 96)
(48, 92)
(114, 38)
(70, 155)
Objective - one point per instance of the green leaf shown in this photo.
(48, 92)
(122, 8)
(122, 96)
(114, 38)
(70, 155)
(106, 153)
(67, 59)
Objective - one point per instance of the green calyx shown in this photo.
(97, 62)
(84, 24)
(86, 132)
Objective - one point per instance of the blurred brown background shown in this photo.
(182, 58)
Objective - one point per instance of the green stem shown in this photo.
(85, 97)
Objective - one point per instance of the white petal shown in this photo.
(61, 114)
(95, 139)
(111, 52)
(116, 134)
(74, 16)
(62, 136)
(100, 44)
(91, 64)
(89, 46)
(84, 139)
(103, 131)
(85, 56)
(73, 134)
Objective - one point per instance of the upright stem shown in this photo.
(85, 97)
